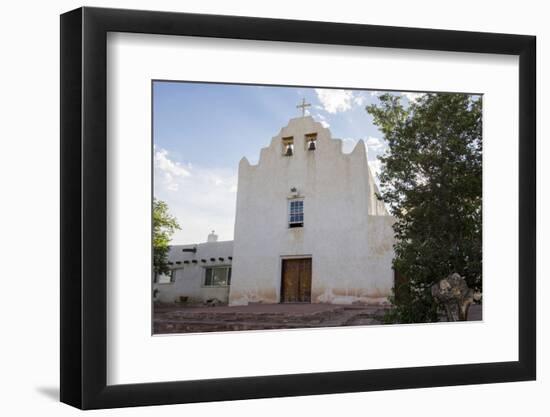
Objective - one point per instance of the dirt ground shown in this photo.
(178, 319)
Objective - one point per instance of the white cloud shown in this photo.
(200, 198)
(335, 101)
(375, 167)
(172, 186)
(412, 97)
(168, 171)
(323, 120)
(375, 144)
(164, 163)
(359, 99)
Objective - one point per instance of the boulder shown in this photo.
(455, 296)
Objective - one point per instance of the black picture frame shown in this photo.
(84, 207)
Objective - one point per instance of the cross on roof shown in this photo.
(303, 107)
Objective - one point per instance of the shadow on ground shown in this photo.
(50, 392)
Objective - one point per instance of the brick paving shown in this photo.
(177, 319)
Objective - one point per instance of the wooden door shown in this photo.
(296, 281)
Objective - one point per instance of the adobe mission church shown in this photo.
(308, 229)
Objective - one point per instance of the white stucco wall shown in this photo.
(189, 278)
(347, 231)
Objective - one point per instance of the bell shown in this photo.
(311, 146)
(288, 150)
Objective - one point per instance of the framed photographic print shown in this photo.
(257, 208)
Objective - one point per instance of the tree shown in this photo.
(164, 226)
(431, 181)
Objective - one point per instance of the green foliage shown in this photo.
(431, 181)
(418, 309)
(164, 226)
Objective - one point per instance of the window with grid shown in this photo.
(296, 213)
(217, 277)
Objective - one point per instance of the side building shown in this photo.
(198, 273)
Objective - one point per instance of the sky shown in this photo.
(202, 130)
